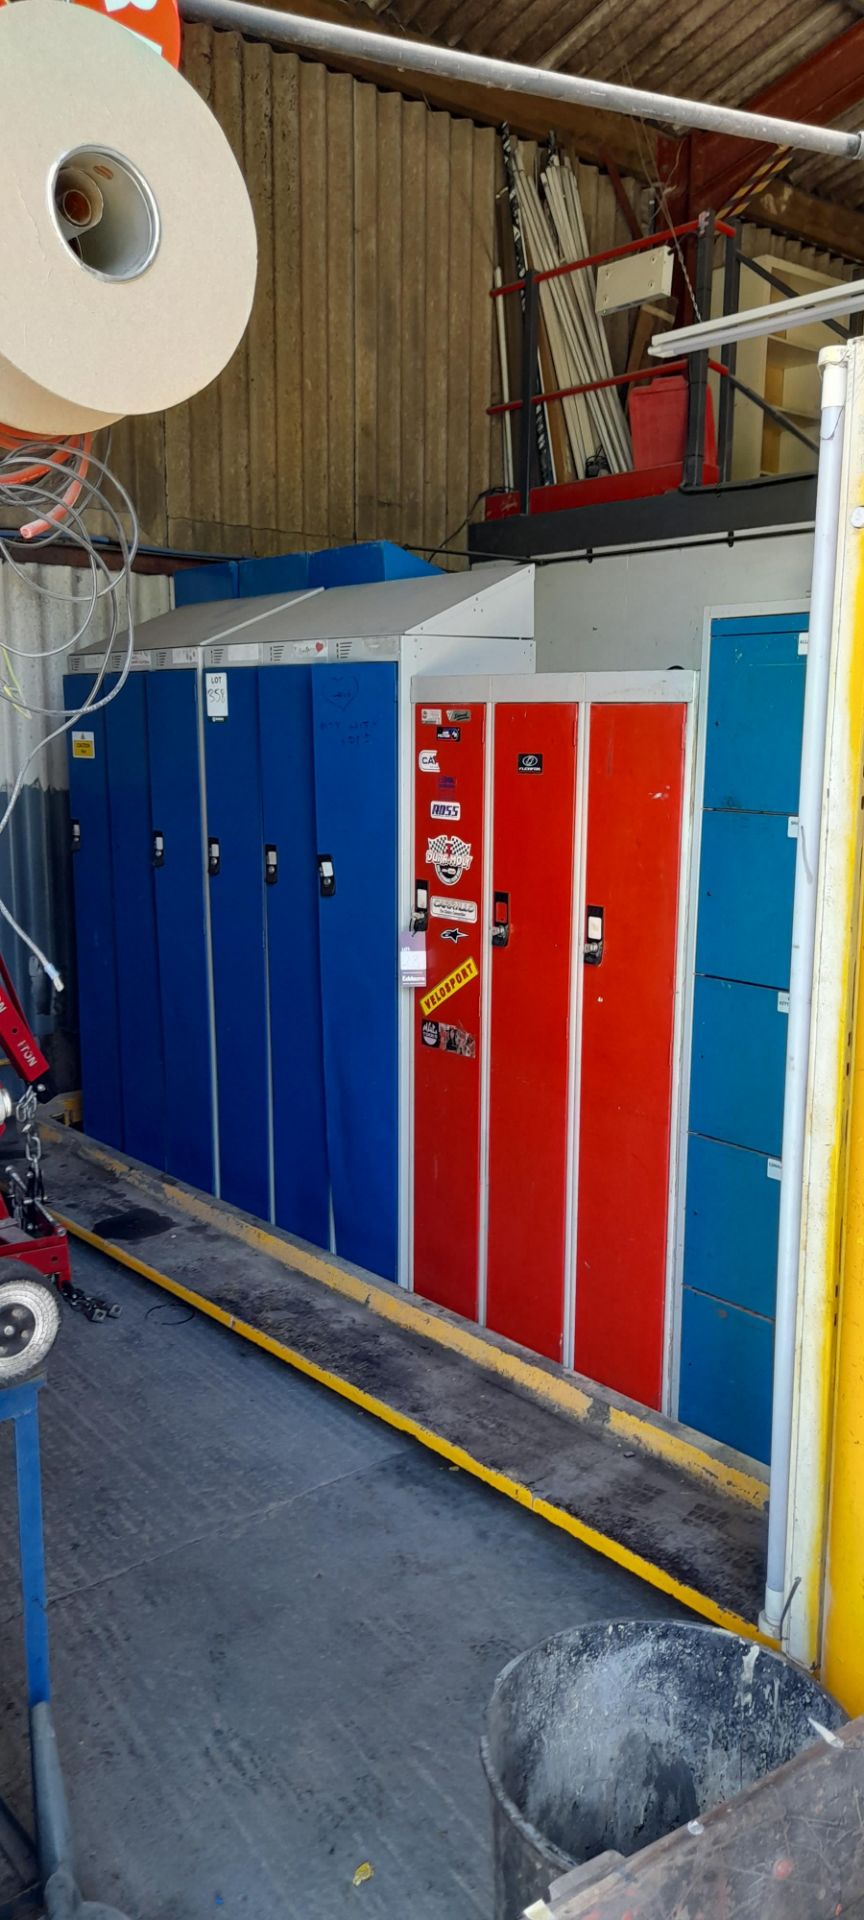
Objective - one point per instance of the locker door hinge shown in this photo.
(420, 916)
(271, 866)
(76, 836)
(214, 858)
(158, 848)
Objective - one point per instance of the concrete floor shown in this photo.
(275, 1624)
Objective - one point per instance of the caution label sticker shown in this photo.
(450, 985)
(83, 746)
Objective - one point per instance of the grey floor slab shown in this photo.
(274, 1627)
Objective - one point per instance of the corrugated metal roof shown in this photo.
(839, 180)
(726, 53)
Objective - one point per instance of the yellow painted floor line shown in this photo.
(514, 1490)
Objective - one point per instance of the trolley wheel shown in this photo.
(29, 1324)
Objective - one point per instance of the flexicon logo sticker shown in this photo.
(446, 988)
(450, 856)
(446, 810)
(529, 763)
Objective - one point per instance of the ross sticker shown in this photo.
(83, 746)
(450, 856)
(449, 733)
(430, 716)
(446, 783)
(458, 713)
(529, 763)
(443, 909)
(434, 1033)
(452, 982)
(445, 810)
(454, 934)
(216, 692)
(428, 761)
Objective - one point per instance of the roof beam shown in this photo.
(819, 90)
(839, 229)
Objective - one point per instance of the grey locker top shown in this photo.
(492, 602)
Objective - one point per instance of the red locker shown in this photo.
(448, 853)
(532, 878)
(635, 802)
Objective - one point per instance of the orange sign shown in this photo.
(157, 21)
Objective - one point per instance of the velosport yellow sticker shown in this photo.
(447, 987)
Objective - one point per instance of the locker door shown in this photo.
(138, 991)
(179, 882)
(635, 798)
(534, 812)
(236, 894)
(354, 719)
(302, 1181)
(98, 1017)
(448, 1064)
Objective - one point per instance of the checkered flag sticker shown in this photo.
(449, 855)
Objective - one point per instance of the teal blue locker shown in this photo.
(746, 889)
(755, 714)
(726, 1373)
(733, 1208)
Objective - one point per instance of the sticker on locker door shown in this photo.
(83, 746)
(447, 1054)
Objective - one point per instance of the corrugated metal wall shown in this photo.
(355, 408)
(35, 857)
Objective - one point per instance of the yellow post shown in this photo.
(843, 1645)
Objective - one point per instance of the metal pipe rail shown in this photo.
(329, 37)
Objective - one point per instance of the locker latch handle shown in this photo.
(326, 876)
(501, 920)
(595, 918)
(214, 858)
(420, 916)
(271, 866)
(158, 849)
(76, 836)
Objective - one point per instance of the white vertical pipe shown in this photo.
(506, 422)
(834, 380)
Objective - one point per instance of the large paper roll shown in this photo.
(146, 301)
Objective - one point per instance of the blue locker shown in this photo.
(301, 1176)
(370, 560)
(756, 708)
(179, 882)
(739, 1054)
(236, 896)
(276, 573)
(217, 580)
(354, 717)
(733, 1208)
(98, 1016)
(746, 887)
(726, 1373)
(138, 989)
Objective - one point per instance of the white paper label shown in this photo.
(782, 1003)
(803, 643)
(792, 827)
(445, 810)
(774, 1169)
(138, 662)
(443, 909)
(412, 959)
(184, 656)
(430, 716)
(216, 689)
